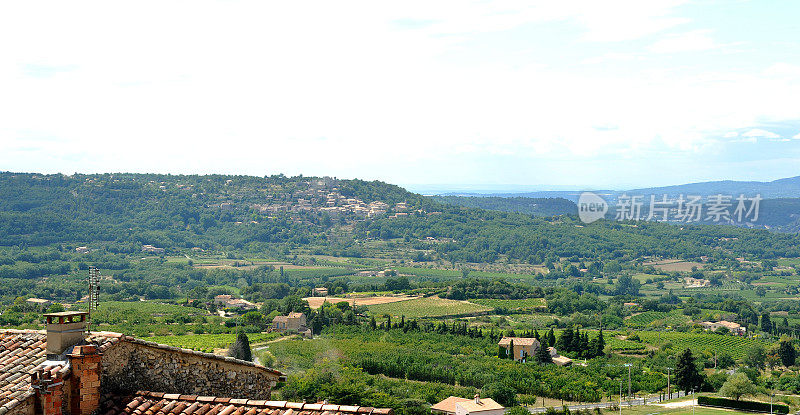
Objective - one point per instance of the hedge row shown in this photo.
(742, 405)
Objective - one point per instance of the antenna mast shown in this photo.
(94, 293)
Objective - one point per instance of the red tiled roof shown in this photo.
(148, 403)
(21, 352)
(519, 341)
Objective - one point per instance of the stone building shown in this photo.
(65, 371)
(524, 347)
(295, 322)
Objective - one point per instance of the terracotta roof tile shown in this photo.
(173, 404)
(22, 352)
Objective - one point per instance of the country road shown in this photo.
(605, 405)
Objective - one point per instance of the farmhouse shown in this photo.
(523, 347)
(734, 328)
(294, 322)
(227, 301)
(320, 292)
(463, 406)
(65, 371)
(696, 282)
(558, 359)
(152, 249)
(39, 302)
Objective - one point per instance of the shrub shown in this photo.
(742, 405)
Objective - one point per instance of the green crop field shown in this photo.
(523, 304)
(427, 307)
(623, 346)
(656, 319)
(208, 342)
(455, 274)
(118, 311)
(734, 346)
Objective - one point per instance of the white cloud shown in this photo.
(256, 87)
(797, 137)
(694, 41)
(759, 133)
(732, 134)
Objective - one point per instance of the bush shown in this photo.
(742, 405)
(502, 393)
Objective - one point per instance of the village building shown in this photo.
(463, 406)
(524, 347)
(39, 302)
(227, 301)
(64, 370)
(82, 249)
(734, 328)
(152, 249)
(292, 323)
(320, 292)
(691, 282)
(558, 359)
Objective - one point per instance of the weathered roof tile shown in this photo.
(174, 404)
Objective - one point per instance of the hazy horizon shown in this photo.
(575, 93)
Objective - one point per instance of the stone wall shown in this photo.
(133, 364)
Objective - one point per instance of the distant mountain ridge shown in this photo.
(779, 207)
(776, 189)
(541, 207)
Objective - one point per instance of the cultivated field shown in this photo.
(316, 302)
(428, 307)
(671, 265)
(734, 346)
(208, 342)
(522, 304)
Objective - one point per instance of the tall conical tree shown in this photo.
(542, 355)
(577, 341)
(687, 377)
(599, 344)
(240, 349)
(551, 338)
(565, 341)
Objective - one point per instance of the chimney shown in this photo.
(49, 391)
(64, 329)
(85, 396)
(477, 398)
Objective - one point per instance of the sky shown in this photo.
(463, 94)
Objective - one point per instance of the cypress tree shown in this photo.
(542, 355)
(565, 341)
(577, 341)
(551, 338)
(787, 352)
(687, 376)
(240, 349)
(600, 345)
